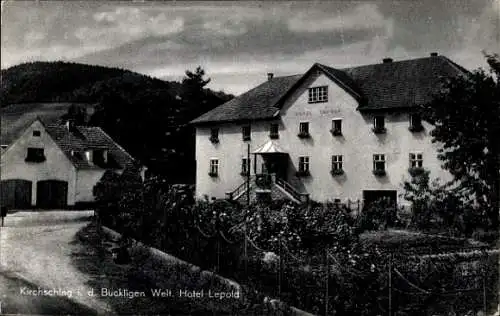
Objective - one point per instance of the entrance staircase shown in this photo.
(266, 186)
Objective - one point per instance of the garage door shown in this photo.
(51, 194)
(16, 193)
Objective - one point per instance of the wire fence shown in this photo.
(440, 281)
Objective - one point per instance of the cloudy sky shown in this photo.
(237, 43)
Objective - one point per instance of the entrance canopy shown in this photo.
(271, 147)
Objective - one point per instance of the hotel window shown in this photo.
(303, 166)
(246, 131)
(245, 166)
(416, 160)
(318, 94)
(336, 127)
(214, 167)
(304, 130)
(36, 133)
(416, 123)
(337, 165)
(274, 131)
(379, 164)
(214, 135)
(35, 155)
(379, 124)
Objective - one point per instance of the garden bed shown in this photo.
(410, 240)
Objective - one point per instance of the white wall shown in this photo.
(56, 166)
(357, 145)
(230, 150)
(86, 179)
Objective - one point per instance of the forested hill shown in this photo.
(147, 116)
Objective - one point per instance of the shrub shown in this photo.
(440, 207)
(378, 215)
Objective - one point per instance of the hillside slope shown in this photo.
(16, 117)
(147, 116)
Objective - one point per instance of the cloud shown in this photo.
(239, 42)
(226, 28)
(361, 17)
(125, 24)
(34, 37)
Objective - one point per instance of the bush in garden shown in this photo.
(107, 193)
(218, 215)
(378, 215)
(113, 193)
(328, 226)
(440, 207)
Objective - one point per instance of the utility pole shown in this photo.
(245, 244)
(3, 213)
(390, 284)
(248, 174)
(484, 292)
(327, 282)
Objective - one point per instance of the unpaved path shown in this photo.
(37, 275)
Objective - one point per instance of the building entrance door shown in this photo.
(275, 163)
(370, 196)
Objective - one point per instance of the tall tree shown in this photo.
(466, 115)
(195, 79)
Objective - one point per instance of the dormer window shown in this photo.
(379, 124)
(89, 155)
(246, 132)
(37, 133)
(318, 94)
(100, 157)
(214, 135)
(416, 123)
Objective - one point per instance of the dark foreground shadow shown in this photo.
(94, 259)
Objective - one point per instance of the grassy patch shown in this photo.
(391, 239)
(145, 272)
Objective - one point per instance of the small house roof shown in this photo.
(270, 147)
(78, 139)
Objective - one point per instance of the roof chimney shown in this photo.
(434, 54)
(387, 60)
(270, 75)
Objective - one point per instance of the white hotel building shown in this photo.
(329, 134)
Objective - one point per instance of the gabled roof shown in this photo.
(270, 147)
(74, 143)
(393, 85)
(78, 139)
(255, 104)
(402, 84)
